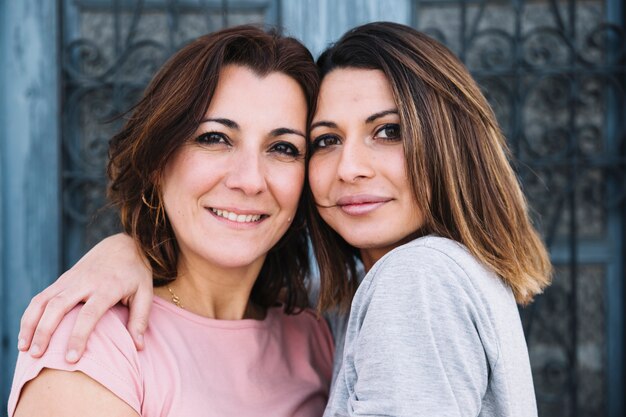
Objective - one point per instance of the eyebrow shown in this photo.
(226, 122)
(370, 119)
(286, 131)
(323, 123)
(380, 114)
(233, 125)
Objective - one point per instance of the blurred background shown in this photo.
(554, 71)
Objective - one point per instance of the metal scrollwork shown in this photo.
(111, 49)
(491, 49)
(544, 47)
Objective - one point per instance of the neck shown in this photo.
(214, 292)
(369, 256)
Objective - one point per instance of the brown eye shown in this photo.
(324, 141)
(285, 148)
(389, 131)
(212, 138)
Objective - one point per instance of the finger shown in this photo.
(33, 313)
(88, 316)
(30, 319)
(56, 308)
(139, 312)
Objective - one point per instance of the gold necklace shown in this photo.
(250, 313)
(175, 298)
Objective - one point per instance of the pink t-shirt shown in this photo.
(195, 366)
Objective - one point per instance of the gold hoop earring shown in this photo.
(160, 214)
(143, 198)
(160, 210)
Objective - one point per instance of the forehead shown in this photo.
(241, 92)
(354, 90)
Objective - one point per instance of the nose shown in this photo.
(355, 162)
(246, 172)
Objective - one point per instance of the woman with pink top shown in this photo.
(207, 174)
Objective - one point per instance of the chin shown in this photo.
(377, 242)
(230, 259)
(360, 242)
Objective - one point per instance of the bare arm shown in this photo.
(111, 272)
(69, 394)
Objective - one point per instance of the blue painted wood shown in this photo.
(615, 308)
(3, 343)
(30, 166)
(320, 22)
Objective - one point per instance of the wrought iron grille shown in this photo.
(111, 49)
(554, 72)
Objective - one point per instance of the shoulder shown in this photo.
(432, 262)
(112, 325)
(110, 357)
(426, 253)
(56, 392)
(432, 273)
(109, 342)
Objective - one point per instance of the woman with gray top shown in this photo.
(409, 176)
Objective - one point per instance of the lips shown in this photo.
(238, 216)
(361, 204)
(361, 199)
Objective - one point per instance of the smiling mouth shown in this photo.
(361, 204)
(239, 218)
(361, 208)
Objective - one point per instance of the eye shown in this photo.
(212, 138)
(285, 148)
(390, 132)
(324, 141)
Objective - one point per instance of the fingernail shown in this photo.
(35, 350)
(140, 338)
(21, 344)
(71, 356)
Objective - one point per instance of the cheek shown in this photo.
(320, 177)
(175, 193)
(169, 181)
(287, 186)
(393, 164)
(396, 172)
(190, 181)
(187, 177)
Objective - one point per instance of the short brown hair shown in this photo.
(170, 111)
(456, 157)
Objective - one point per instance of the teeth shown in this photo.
(239, 218)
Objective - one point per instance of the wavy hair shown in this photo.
(170, 111)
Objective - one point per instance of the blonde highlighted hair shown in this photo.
(457, 163)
